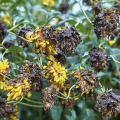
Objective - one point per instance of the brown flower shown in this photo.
(88, 2)
(22, 32)
(68, 39)
(48, 97)
(98, 58)
(105, 23)
(107, 104)
(86, 81)
(34, 73)
(3, 31)
(64, 7)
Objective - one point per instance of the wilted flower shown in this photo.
(55, 73)
(64, 7)
(34, 74)
(98, 58)
(5, 70)
(96, 6)
(48, 97)
(67, 103)
(7, 110)
(48, 2)
(68, 39)
(6, 18)
(117, 5)
(107, 104)
(86, 81)
(3, 31)
(18, 87)
(22, 32)
(45, 40)
(105, 23)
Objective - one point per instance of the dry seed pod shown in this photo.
(105, 24)
(68, 39)
(86, 81)
(98, 58)
(107, 104)
(22, 32)
(48, 97)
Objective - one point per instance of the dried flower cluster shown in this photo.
(107, 104)
(7, 110)
(105, 23)
(98, 58)
(64, 7)
(48, 97)
(55, 73)
(5, 70)
(96, 6)
(22, 32)
(86, 81)
(67, 103)
(34, 74)
(3, 31)
(68, 39)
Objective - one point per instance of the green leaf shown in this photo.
(73, 115)
(9, 37)
(56, 112)
(74, 66)
(14, 49)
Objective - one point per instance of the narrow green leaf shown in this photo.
(14, 49)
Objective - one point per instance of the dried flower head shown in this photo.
(48, 97)
(55, 73)
(8, 44)
(64, 7)
(34, 74)
(5, 70)
(86, 81)
(96, 7)
(45, 40)
(98, 58)
(105, 23)
(68, 39)
(107, 104)
(7, 110)
(22, 32)
(67, 103)
(88, 2)
(117, 5)
(3, 31)
(48, 2)
(60, 56)
(18, 87)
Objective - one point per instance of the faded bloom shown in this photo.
(107, 104)
(68, 39)
(6, 18)
(98, 58)
(5, 70)
(48, 97)
(3, 31)
(64, 7)
(18, 87)
(105, 24)
(7, 110)
(22, 32)
(86, 81)
(55, 73)
(34, 74)
(45, 40)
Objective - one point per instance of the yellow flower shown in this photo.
(17, 91)
(3, 66)
(111, 42)
(6, 18)
(55, 73)
(48, 2)
(29, 94)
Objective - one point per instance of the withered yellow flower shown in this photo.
(56, 74)
(48, 2)
(6, 18)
